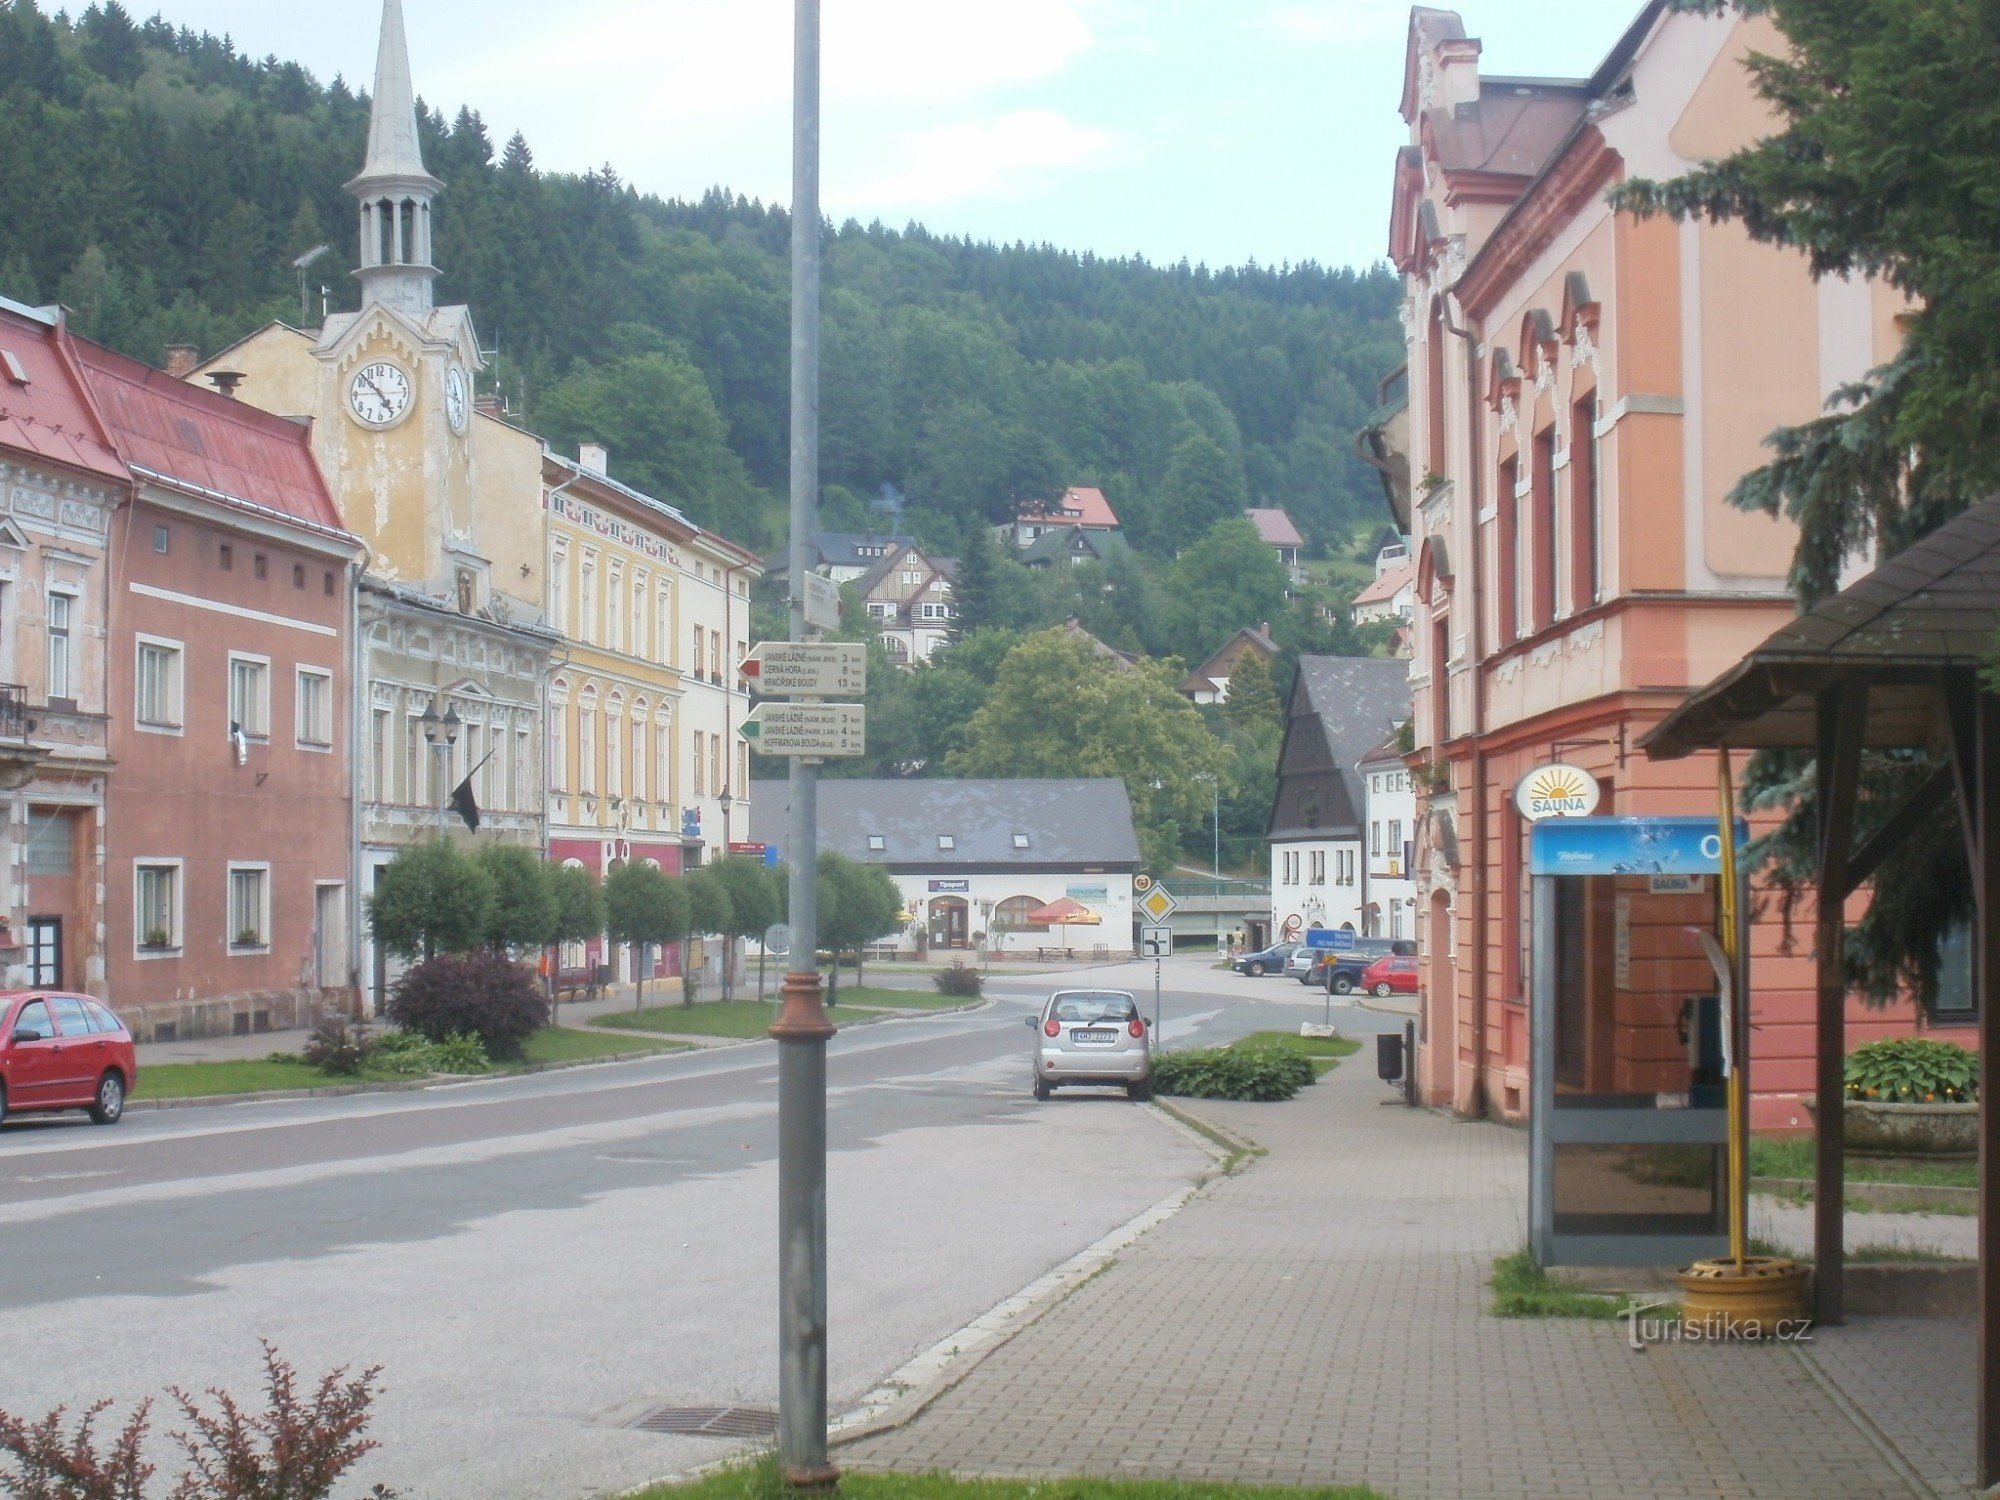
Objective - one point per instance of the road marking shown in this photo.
(68, 1176)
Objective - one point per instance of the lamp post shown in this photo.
(441, 733)
(725, 801)
(1215, 813)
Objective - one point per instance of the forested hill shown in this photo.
(160, 185)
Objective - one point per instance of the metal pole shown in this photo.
(1215, 861)
(802, 1028)
(1156, 999)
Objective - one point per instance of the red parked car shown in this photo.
(1395, 974)
(64, 1052)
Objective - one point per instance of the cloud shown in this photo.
(1345, 23)
(992, 158)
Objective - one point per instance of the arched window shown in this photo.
(1011, 915)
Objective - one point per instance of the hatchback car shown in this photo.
(1348, 964)
(1394, 975)
(1092, 1037)
(1269, 960)
(64, 1052)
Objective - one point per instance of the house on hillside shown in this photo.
(1340, 711)
(1073, 628)
(844, 556)
(1392, 593)
(1209, 682)
(976, 859)
(907, 595)
(1073, 546)
(1080, 506)
(1276, 531)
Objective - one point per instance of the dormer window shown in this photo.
(876, 843)
(1020, 841)
(947, 841)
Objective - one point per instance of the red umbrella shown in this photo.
(1063, 912)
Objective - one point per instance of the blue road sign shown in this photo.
(1339, 939)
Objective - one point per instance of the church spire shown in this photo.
(394, 190)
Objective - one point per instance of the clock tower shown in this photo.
(394, 429)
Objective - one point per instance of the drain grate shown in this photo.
(711, 1421)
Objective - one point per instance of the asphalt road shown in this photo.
(536, 1261)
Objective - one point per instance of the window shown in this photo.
(1374, 838)
(586, 748)
(161, 537)
(715, 765)
(877, 610)
(1585, 585)
(156, 904)
(935, 611)
(663, 630)
(60, 609)
(1020, 841)
(700, 745)
(559, 745)
(249, 908)
(715, 656)
(663, 763)
(586, 627)
(51, 843)
(250, 695)
(697, 656)
(226, 555)
(1504, 547)
(260, 564)
(559, 588)
(157, 690)
(1441, 678)
(378, 755)
(947, 841)
(614, 610)
(1396, 838)
(1011, 915)
(413, 751)
(315, 707)
(614, 748)
(877, 843)
(298, 575)
(1542, 497)
(524, 774)
(1956, 1001)
(638, 647)
(326, 583)
(1317, 866)
(639, 763)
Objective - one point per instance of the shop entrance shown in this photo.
(1630, 1119)
(949, 924)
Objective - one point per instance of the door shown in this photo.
(33, 1067)
(949, 927)
(330, 935)
(79, 1053)
(44, 953)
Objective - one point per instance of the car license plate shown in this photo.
(1093, 1036)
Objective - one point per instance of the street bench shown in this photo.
(587, 984)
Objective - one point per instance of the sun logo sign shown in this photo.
(1557, 791)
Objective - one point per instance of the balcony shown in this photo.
(16, 723)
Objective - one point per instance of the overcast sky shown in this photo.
(1216, 130)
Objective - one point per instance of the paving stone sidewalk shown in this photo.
(1319, 1319)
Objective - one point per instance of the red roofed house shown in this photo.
(1275, 529)
(231, 831)
(60, 485)
(1393, 594)
(1079, 506)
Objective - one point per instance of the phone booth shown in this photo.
(1628, 1027)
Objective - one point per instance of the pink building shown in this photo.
(1585, 389)
(227, 882)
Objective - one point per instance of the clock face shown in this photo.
(379, 393)
(455, 398)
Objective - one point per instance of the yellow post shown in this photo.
(1739, 1103)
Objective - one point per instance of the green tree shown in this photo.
(643, 907)
(1226, 580)
(857, 905)
(579, 898)
(1058, 708)
(1887, 138)
(753, 904)
(708, 911)
(1253, 697)
(1203, 485)
(431, 899)
(658, 418)
(524, 908)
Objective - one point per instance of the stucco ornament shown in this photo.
(1585, 345)
(1427, 80)
(1454, 258)
(1545, 377)
(1510, 416)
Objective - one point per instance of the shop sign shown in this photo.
(953, 887)
(1557, 791)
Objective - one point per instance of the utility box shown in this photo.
(1389, 1056)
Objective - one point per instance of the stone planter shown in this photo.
(1934, 1130)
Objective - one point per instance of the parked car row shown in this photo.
(62, 1051)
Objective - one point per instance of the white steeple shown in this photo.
(394, 189)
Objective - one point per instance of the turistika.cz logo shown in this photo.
(1669, 1327)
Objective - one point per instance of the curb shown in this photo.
(906, 1393)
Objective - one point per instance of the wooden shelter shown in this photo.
(1892, 662)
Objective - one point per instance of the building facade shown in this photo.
(907, 595)
(61, 482)
(1389, 887)
(1585, 389)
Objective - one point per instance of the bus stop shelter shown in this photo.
(1892, 662)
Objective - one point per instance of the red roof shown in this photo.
(1275, 528)
(1079, 507)
(48, 415)
(1386, 587)
(206, 440)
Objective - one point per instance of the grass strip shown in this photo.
(1522, 1289)
(1323, 1052)
(1792, 1156)
(752, 1018)
(759, 1481)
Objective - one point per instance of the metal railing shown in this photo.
(15, 720)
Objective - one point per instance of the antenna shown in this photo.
(300, 265)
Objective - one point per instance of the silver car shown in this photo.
(1094, 1037)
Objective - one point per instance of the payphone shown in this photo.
(1628, 1030)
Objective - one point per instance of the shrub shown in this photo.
(406, 1053)
(1913, 1070)
(1260, 1075)
(296, 1449)
(461, 1053)
(483, 994)
(339, 1045)
(958, 978)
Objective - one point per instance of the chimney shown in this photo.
(226, 381)
(181, 360)
(593, 456)
(488, 404)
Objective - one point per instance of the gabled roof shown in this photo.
(1073, 628)
(1224, 658)
(229, 450)
(1341, 708)
(1275, 528)
(946, 567)
(1079, 505)
(855, 549)
(1063, 541)
(48, 414)
(1391, 583)
(1074, 821)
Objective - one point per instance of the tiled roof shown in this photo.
(1080, 506)
(206, 440)
(1390, 584)
(1275, 528)
(48, 414)
(1342, 707)
(1076, 821)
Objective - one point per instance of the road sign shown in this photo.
(1142, 882)
(1339, 939)
(807, 669)
(777, 728)
(1157, 904)
(778, 938)
(822, 602)
(1156, 942)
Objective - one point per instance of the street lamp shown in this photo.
(441, 733)
(1215, 811)
(725, 801)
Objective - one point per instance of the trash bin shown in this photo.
(1389, 1056)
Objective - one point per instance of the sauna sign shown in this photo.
(1558, 791)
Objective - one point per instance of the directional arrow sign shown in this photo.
(807, 669)
(806, 728)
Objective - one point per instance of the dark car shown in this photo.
(63, 1052)
(1269, 960)
(1339, 973)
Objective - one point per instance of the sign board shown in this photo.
(740, 846)
(949, 887)
(822, 602)
(1100, 893)
(1557, 791)
(1629, 846)
(1336, 939)
(779, 728)
(1157, 904)
(778, 938)
(1676, 885)
(807, 669)
(1156, 942)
